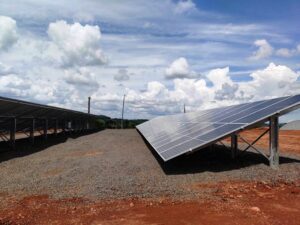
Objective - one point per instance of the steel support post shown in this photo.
(55, 127)
(81, 126)
(71, 126)
(46, 129)
(74, 124)
(234, 145)
(64, 127)
(32, 128)
(12, 134)
(273, 144)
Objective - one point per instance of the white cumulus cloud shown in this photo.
(13, 85)
(81, 77)
(8, 32)
(285, 52)
(264, 50)
(219, 76)
(224, 87)
(179, 69)
(184, 6)
(197, 94)
(39, 90)
(273, 81)
(78, 44)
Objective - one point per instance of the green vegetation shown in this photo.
(105, 122)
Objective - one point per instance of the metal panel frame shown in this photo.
(27, 117)
(150, 135)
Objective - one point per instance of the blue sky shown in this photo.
(161, 54)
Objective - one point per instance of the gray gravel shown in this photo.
(118, 164)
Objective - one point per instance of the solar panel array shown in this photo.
(171, 136)
(23, 111)
(17, 108)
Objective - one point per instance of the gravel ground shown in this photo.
(114, 164)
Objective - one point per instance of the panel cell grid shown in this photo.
(171, 136)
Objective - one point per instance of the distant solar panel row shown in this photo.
(24, 111)
(172, 136)
(21, 109)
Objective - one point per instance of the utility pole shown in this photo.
(123, 112)
(89, 105)
(184, 108)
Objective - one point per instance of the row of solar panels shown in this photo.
(22, 109)
(56, 117)
(171, 136)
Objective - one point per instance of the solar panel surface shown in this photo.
(171, 136)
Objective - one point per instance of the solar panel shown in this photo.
(171, 136)
(17, 108)
(24, 111)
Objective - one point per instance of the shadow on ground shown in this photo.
(24, 147)
(213, 159)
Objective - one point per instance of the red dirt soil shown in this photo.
(233, 203)
(289, 140)
(229, 202)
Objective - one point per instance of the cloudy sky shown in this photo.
(162, 54)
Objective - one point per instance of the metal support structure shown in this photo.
(74, 126)
(273, 142)
(32, 128)
(89, 105)
(12, 134)
(251, 145)
(256, 140)
(70, 126)
(3, 137)
(64, 127)
(55, 126)
(82, 126)
(20, 120)
(78, 126)
(45, 133)
(234, 145)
